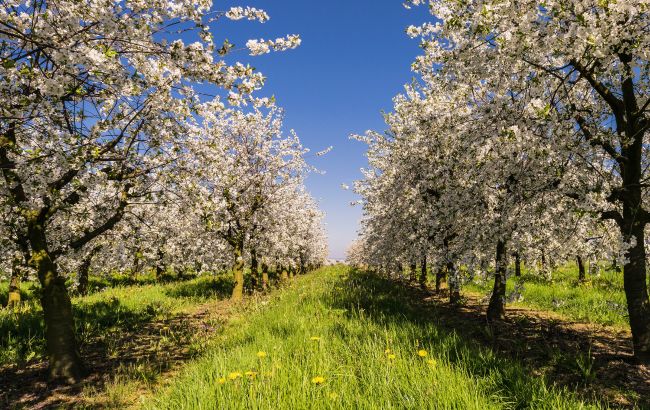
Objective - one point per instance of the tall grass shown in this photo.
(342, 339)
(601, 299)
(98, 315)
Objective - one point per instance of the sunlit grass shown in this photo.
(341, 339)
(600, 299)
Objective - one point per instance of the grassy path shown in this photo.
(341, 339)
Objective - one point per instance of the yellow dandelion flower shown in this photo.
(431, 362)
(234, 375)
(221, 380)
(387, 351)
(422, 353)
(261, 354)
(251, 374)
(318, 380)
(391, 357)
(314, 338)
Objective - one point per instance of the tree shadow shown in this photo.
(22, 331)
(99, 283)
(208, 287)
(596, 365)
(121, 344)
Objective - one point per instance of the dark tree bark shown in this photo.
(423, 272)
(303, 269)
(84, 269)
(412, 272)
(440, 277)
(265, 276)
(454, 288)
(497, 307)
(255, 269)
(632, 125)
(160, 269)
(517, 265)
(63, 355)
(581, 269)
(136, 263)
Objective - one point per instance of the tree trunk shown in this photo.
(13, 299)
(454, 283)
(238, 274)
(63, 355)
(517, 265)
(136, 263)
(160, 268)
(635, 282)
(84, 269)
(412, 272)
(255, 271)
(581, 269)
(440, 277)
(265, 276)
(284, 275)
(497, 307)
(423, 272)
(303, 268)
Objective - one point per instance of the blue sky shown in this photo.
(354, 57)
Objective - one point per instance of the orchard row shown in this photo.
(524, 137)
(129, 140)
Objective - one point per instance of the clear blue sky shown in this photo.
(354, 57)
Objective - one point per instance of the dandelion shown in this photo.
(391, 357)
(314, 338)
(318, 380)
(387, 351)
(234, 375)
(221, 380)
(431, 362)
(261, 354)
(251, 374)
(422, 353)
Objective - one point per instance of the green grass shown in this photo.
(352, 318)
(100, 314)
(600, 300)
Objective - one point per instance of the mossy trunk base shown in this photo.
(64, 359)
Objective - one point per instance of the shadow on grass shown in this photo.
(513, 352)
(207, 287)
(118, 343)
(98, 283)
(22, 331)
